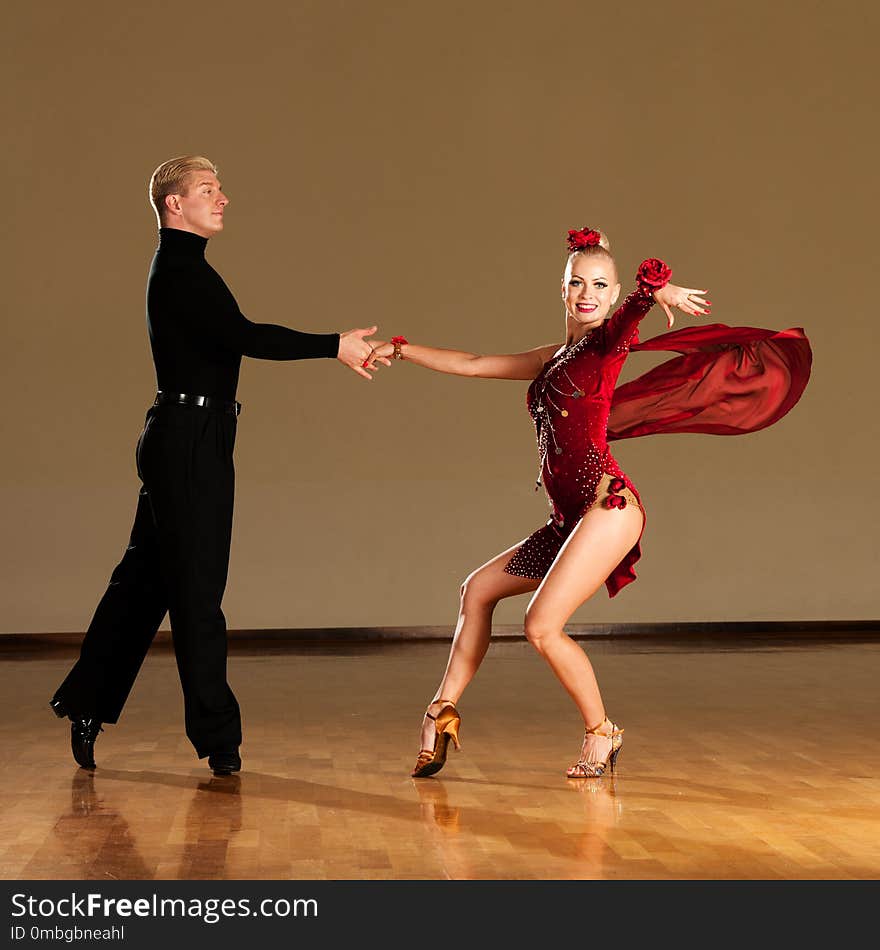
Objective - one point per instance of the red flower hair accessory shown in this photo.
(653, 274)
(585, 237)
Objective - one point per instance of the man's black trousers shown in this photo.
(176, 561)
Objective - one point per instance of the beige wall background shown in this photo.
(416, 166)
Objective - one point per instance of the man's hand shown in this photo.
(356, 352)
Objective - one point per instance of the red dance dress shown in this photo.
(727, 381)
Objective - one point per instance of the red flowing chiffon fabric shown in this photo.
(727, 381)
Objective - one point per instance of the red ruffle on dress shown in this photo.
(727, 381)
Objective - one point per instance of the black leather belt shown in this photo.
(205, 402)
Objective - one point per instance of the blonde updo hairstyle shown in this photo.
(602, 249)
(170, 178)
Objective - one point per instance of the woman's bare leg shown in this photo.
(480, 594)
(595, 547)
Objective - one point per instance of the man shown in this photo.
(178, 555)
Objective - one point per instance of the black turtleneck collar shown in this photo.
(182, 242)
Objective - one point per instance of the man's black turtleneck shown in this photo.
(197, 333)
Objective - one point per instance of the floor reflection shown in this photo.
(434, 801)
(212, 818)
(582, 837)
(92, 840)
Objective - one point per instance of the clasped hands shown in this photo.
(360, 354)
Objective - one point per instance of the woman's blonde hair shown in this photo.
(602, 249)
(170, 178)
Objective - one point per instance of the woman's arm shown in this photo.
(653, 285)
(460, 363)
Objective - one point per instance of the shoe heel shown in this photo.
(451, 729)
(616, 746)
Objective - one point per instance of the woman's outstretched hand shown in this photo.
(685, 299)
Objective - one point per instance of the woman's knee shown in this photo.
(541, 629)
(480, 589)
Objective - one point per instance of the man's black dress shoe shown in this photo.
(83, 733)
(224, 763)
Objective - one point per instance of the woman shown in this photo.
(597, 516)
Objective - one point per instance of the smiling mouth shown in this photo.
(587, 307)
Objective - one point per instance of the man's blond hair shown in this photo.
(170, 178)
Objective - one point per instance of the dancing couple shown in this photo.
(726, 380)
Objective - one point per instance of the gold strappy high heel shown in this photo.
(446, 724)
(583, 769)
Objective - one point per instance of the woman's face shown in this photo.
(589, 289)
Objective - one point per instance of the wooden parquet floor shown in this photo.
(747, 760)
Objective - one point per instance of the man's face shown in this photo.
(201, 209)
